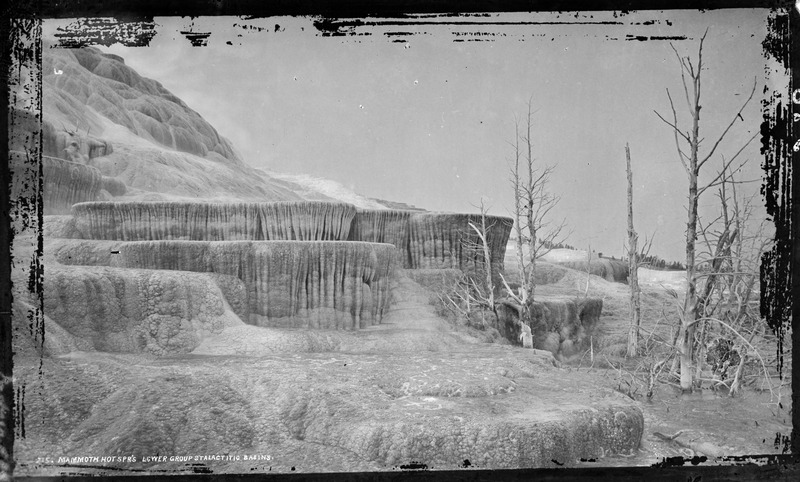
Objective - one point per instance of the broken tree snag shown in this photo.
(633, 265)
(693, 162)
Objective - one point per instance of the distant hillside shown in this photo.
(100, 112)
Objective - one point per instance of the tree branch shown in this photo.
(725, 132)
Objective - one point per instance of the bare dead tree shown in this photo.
(482, 233)
(458, 298)
(693, 163)
(633, 267)
(533, 204)
(718, 257)
(729, 274)
(475, 290)
(482, 282)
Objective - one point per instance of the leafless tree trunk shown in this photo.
(522, 295)
(533, 204)
(693, 163)
(731, 272)
(474, 291)
(486, 295)
(633, 266)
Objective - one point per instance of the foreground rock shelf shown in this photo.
(297, 284)
(495, 406)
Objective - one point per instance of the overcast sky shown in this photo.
(428, 120)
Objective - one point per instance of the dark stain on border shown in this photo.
(777, 277)
(643, 38)
(197, 39)
(106, 31)
(330, 27)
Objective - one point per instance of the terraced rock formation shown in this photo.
(382, 226)
(202, 221)
(117, 92)
(292, 284)
(439, 240)
(74, 145)
(67, 183)
(434, 240)
(134, 310)
(309, 285)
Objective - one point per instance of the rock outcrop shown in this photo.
(310, 285)
(151, 221)
(424, 240)
(434, 240)
(560, 326)
(66, 144)
(99, 112)
(381, 226)
(67, 183)
(325, 284)
(438, 240)
(115, 91)
(133, 310)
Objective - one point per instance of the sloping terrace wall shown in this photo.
(296, 284)
(434, 240)
(149, 221)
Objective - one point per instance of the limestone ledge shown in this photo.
(423, 240)
(134, 310)
(199, 221)
(294, 284)
(67, 183)
(562, 326)
(434, 240)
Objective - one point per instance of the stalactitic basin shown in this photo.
(443, 240)
(434, 240)
(295, 284)
(200, 221)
